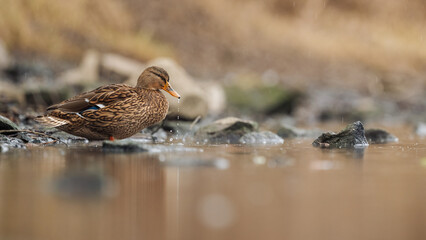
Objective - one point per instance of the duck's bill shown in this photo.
(170, 90)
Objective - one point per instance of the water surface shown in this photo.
(290, 191)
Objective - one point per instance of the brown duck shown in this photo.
(114, 111)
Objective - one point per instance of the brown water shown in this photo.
(292, 191)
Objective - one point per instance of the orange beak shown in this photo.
(170, 90)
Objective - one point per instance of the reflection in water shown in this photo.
(83, 184)
(33, 212)
(293, 191)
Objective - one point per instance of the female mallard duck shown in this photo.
(114, 111)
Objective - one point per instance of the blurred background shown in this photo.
(373, 48)
(306, 63)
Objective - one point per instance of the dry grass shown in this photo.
(67, 28)
(382, 40)
(300, 39)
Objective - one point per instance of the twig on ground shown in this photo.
(195, 122)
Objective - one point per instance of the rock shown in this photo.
(68, 138)
(421, 129)
(226, 130)
(288, 131)
(193, 101)
(122, 65)
(6, 124)
(3, 148)
(5, 60)
(215, 96)
(10, 142)
(125, 145)
(261, 138)
(352, 136)
(160, 136)
(378, 136)
(86, 73)
(250, 94)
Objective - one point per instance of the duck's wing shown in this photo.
(96, 99)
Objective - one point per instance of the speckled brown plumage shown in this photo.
(116, 110)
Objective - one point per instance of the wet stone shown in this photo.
(160, 136)
(352, 136)
(261, 138)
(68, 138)
(6, 124)
(3, 148)
(379, 136)
(225, 131)
(126, 145)
(7, 143)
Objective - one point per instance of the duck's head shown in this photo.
(156, 78)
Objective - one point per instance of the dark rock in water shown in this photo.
(352, 136)
(377, 136)
(288, 131)
(7, 143)
(126, 145)
(261, 138)
(226, 130)
(68, 138)
(6, 124)
(421, 129)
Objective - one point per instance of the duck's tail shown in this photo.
(51, 121)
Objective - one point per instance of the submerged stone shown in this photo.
(378, 136)
(352, 136)
(226, 130)
(261, 138)
(125, 145)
